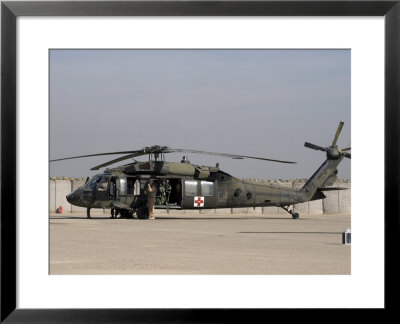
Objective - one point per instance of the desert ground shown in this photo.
(193, 243)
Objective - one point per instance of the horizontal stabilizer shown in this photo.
(318, 195)
(332, 188)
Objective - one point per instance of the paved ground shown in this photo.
(199, 244)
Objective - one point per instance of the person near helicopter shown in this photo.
(151, 198)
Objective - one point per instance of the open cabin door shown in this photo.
(114, 188)
(169, 194)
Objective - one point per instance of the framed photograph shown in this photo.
(57, 77)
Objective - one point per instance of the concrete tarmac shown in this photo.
(193, 243)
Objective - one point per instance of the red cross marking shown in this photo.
(199, 201)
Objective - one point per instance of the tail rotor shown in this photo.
(337, 134)
(333, 152)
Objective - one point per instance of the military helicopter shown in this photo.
(183, 185)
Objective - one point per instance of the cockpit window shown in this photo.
(97, 181)
(92, 183)
(103, 184)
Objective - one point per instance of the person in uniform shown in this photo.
(103, 185)
(151, 198)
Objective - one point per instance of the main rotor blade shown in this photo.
(234, 156)
(97, 154)
(337, 134)
(348, 155)
(161, 149)
(122, 158)
(315, 147)
(346, 149)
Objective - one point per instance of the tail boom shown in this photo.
(318, 180)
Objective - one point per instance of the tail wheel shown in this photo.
(142, 213)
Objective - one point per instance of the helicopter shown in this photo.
(183, 185)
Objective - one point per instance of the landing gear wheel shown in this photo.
(291, 212)
(142, 213)
(112, 213)
(88, 213)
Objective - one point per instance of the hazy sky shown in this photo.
(263, 103)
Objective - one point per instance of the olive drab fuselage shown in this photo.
(182, 185)
(186, 186)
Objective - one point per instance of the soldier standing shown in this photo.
(151, 198)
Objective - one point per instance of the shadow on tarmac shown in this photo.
(290, 233)
(182, 218)
(79, 217)
(177, 218)
(220, 218)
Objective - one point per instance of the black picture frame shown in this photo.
(10, 10)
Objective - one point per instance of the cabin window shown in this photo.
(122, 186)
(207, 188)
(190, 188)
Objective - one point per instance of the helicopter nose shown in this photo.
(71, 198)
(80, 198)
(74, 198)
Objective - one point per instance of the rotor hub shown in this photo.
(333, 153)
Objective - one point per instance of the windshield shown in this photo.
(93, 182)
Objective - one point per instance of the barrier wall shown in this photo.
(270, 210)
(336, 201)
(52, 196)
(63, 188)
(331, 202)
(345, 198)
